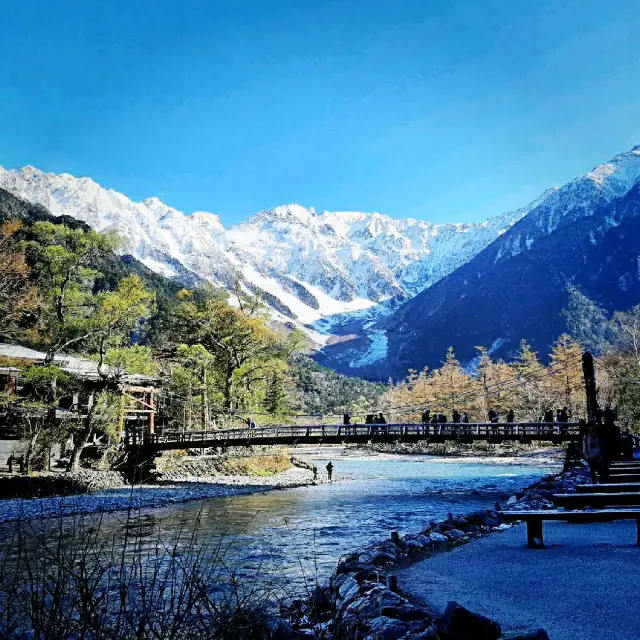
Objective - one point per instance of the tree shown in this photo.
(19, 300)
(567, 380)
(65, 261)
(496, 384)
(32, 410)
(619, 367)
(533, 394)
(113, 317)
(275, 400)
(239, 338)
(450, 387)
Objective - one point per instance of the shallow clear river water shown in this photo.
(297, 535)
(298, 532)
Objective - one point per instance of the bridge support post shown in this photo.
(589, 373)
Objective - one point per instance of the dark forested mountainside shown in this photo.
(323, 391)
(114, 268)
(498, 298)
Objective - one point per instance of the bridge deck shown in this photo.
(357, 433)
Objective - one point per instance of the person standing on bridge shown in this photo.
(381, 419)
(330, 470)
(346, 418)
(511, 416)
(548, 416)
(455, 418)
(465, 418)
(493, 416)
(426, 416)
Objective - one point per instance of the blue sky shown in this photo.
(445, 111)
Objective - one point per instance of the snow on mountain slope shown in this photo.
(315, 265)
(337, 273)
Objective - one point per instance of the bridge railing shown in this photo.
(476, 430)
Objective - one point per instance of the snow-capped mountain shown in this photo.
(310, 265)
(345, 273)
(585, 233)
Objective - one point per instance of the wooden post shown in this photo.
(121, 417)
(590, 386)
(395, 537)
(392, 583)
(152, 414)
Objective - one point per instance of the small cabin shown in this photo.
(137, 392)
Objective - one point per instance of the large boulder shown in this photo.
(457, 619)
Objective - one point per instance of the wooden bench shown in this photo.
(534, 520)
(621, 487)
(616, 478)
(596, 500)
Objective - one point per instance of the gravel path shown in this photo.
(152, 495)
(584, 586)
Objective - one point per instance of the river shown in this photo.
(297, 535)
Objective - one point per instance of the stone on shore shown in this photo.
(457, 619)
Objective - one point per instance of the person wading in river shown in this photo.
(330, 470)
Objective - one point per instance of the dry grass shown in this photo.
(74, 582)
(261, 465)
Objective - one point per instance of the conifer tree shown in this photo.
(567, 381)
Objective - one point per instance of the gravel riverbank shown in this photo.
(165, 491)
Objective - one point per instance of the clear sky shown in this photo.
(446, 111)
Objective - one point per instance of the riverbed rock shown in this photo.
(350, 584)
(512, 501)
(472, 528)
(383, 557)
(457, 619)
(492, 522)
(438, 537)
(414, 544)
(455, 534)
(387, 628)
(353, 565)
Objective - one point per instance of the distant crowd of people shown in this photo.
(559, 416)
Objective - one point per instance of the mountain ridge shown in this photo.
(313, 264)
(362, 284)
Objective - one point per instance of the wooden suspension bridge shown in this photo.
(525, 432)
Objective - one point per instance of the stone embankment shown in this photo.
(362, 601)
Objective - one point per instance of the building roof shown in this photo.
(84, 368)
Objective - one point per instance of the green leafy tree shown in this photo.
(46, 385)
(65, 261)
(115, 315)
(239, 338)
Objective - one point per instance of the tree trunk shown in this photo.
(228, 389)
(205, 408)
(78, 446)
(80, 442)
(28, 456)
